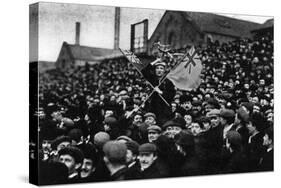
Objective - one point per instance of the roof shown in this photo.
(92, 53)
(267, 24)
(213, 23)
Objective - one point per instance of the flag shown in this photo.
(134, 59)
(186, 75)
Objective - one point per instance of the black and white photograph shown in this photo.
(127, 93)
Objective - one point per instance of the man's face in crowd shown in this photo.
(251, 128)
(46, 145)
(57, 116)
(196, 109)
(206, 125)
(262, 82)
(223, 121)
(150, 120)
(264, 102)
(187, 105)
(69, 161)
(137, 119)
(153, 135)
(113, 98)
(63, 145)
(195, 128)
(188, 119)
(256, 109)
(130, 157)
(172, 131)
(87, 168)
(266, 140)
(215, 121)
(159, 70)
(174, 107)
(146, 159)
(246, 86)
(270, 117)
(255, 99)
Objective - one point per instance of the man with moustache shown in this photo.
(89, 163)
(147, 158)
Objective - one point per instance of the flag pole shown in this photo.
(147, 82)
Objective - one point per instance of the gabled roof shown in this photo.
(214, 23)
(88, 53)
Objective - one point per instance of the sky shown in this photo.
(57, 24)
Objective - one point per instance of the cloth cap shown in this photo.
(154, 128)
(147, 148)
(110, 120)
(68, 122)
(150, 114)
(172, 123)
(212, 113)
(227, 113)
(126, 138)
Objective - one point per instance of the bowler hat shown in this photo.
(74, 152)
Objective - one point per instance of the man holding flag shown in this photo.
(185, 75)
(164, 90)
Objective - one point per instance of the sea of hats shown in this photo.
(223, 126)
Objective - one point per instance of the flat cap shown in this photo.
(212, 113)
(172, 123)
(150, 114)
(125, 138)
(154, 128)
(196, 103)
(227, 113)
(110, 120)
(147, 148)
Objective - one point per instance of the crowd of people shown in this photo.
(96, 123)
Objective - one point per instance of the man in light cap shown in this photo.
(154, 73)
(154, 132)
(150, 118)
(115, 159)
(213, 115)
(147, 157)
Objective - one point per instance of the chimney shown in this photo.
(77, 33)
(116, 27)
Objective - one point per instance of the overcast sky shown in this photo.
(57, 24)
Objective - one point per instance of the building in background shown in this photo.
(178, 29)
